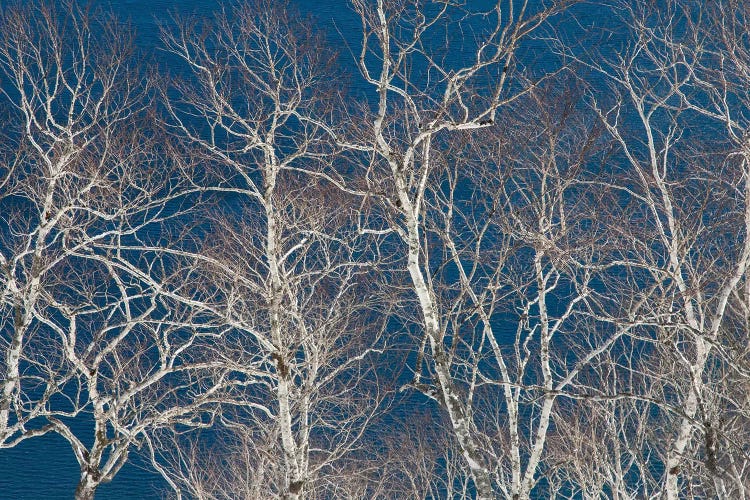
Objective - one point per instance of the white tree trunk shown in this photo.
(25, 302)
(690, 409)
(460, 420)
(87, 485)
(295, 477)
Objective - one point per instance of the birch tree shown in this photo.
(677, 111)
(63, 101)
(428, 108)
(87, 337)
(242, 273)
(295, 278)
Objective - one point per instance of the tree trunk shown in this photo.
(87, 485)
(460, 419)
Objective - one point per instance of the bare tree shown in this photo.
(425, 99)
(295, 281)
(676, 106)
(64, 100)
(240, 273)
(86, 334)
(492, 233)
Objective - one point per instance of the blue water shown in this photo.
(44, 468)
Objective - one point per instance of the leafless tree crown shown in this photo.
(489, 250)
